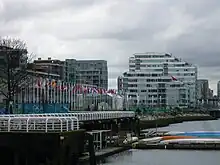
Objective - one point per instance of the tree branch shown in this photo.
(13, 70)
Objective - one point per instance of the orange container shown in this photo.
(176, 137)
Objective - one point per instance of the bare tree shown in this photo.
(14, 60)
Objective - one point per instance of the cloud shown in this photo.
(114, 30)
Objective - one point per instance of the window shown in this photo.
(132, 80)
(152, 90)
(133, 90)
(132, 85)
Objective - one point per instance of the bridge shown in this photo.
(56, 122)
(39, 138)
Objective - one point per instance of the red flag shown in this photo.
(174, 78)
(39, 83)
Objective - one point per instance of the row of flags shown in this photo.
(78, 88)
(64, 86)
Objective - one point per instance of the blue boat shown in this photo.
(204, 134)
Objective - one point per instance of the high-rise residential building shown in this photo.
(70, 70)
(202, 89)
(160, 79)
(92, 72)
(218, 89)
(120, 83)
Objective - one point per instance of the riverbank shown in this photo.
(162, 121)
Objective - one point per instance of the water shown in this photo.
(171, 157)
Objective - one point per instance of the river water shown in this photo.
(171, 157)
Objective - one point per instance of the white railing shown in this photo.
(82, 116)
(18, 123)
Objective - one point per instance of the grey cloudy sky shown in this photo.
(115, 29)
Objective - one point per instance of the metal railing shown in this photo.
(13, 123)
(81, 116)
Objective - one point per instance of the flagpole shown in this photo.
(82, 97)
(43, 94)
(101, 99)
(32, 90)
(71, 96)
(54, 91)
(152, 101)
(47, 89)
(77, 97)
(59, 91)
(68, 92)
(28, 92)
(40, 91)
(25, 95)
(57, 94)
(37, 86)
(74, 97)
(62, 91)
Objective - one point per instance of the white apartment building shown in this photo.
(160, 79)
(218, 89)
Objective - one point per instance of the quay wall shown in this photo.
(178, 146)
(163, 122)
(215, 113)
(41, 148)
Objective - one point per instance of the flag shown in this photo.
(94, 90)
(173, 78)
(53, 83)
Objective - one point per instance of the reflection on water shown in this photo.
(121, 157)
(171, 157)
(164, 157)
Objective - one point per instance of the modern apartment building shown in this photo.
(92, 72)
(202, 87)
(218, 89)
(70, 70)
(49, 68)
(120, 83)
(160, 79)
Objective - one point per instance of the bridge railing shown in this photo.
(81, 116)
(38, 124)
